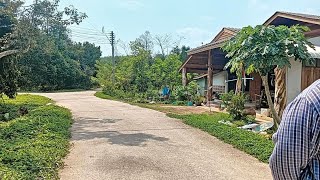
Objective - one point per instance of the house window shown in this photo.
(316, 64)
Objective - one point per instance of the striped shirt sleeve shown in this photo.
(294, 140)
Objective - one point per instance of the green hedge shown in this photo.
(32, 147)
(257, 145)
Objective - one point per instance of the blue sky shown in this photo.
(197, 21)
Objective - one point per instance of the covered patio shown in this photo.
(209, 60)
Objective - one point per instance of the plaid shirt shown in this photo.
(296, 154)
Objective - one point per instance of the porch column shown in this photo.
(210, 78)
(184, 76)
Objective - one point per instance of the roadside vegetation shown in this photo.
(38, 52)
(33, 144)
(144, 73)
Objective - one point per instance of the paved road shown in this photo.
(114, 140)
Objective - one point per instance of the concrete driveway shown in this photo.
(114, 140)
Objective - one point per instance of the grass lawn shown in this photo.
(32, 146)
(256, 145)
(103, 96)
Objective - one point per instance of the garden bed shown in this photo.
(32, 146)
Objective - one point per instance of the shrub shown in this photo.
(199, 99)
(226, 98)
(109, 89)
(180, 93)
(186, 93)
(236, 106)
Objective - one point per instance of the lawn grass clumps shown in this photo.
(254, 144)
(25, 101)
(32, 146)
(102, 95)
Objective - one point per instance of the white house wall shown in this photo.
(294, 73)
(202, 86)
(293, 80)
(219, 79)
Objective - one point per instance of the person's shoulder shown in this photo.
(312, 94)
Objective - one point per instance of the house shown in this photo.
(300, 76)
(209, 61)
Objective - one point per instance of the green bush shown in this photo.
(186, 93)
(109, 89)
(236, 107)
(254, 144)
(199, 99)
(226, 98)
(32, 147)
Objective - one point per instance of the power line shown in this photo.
(85, 28)
(90, 34)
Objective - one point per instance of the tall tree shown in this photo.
(262, 48)
(8, 46)
(182, 52)
(164, 42)
(143, 43)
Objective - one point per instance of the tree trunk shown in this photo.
(239, 85)
(239, 79)
(7, 53)
(280, 100)
(184, 77)
(276, 119)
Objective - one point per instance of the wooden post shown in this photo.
(210, 78)
(184, 76)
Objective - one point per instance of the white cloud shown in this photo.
(194, 36)
(131, 5)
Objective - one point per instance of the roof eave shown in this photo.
(291, 16)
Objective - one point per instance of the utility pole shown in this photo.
(112, 41)
(111, 37)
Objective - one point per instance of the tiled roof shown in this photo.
(236, 30)
(310, 16)
(209, 44)
(233, 29)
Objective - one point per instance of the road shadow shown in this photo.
(81, 131)
(117, 138)
(83, 121)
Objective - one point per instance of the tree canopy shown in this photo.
(144, 72)
(262, 48)
(43, 56)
